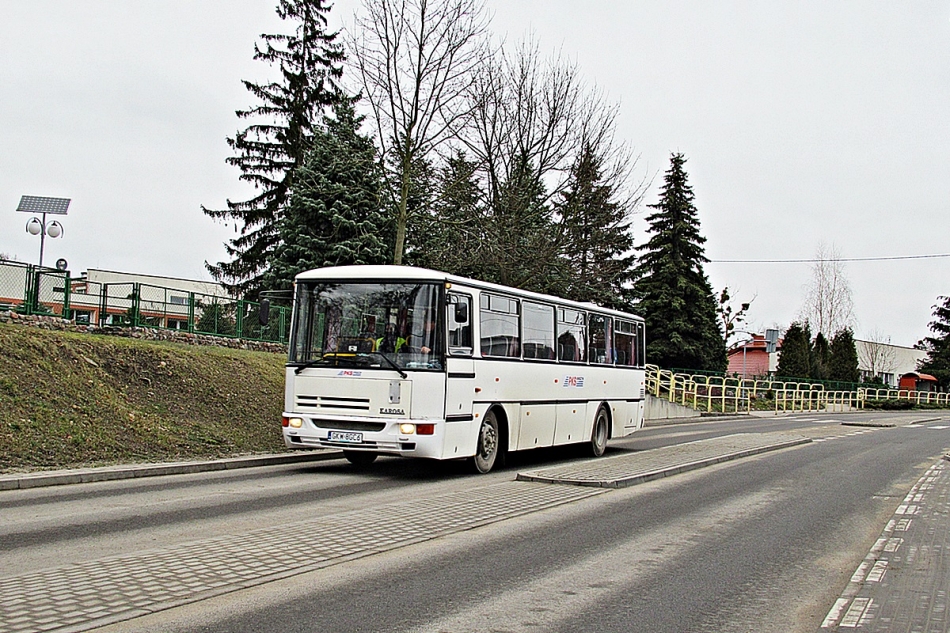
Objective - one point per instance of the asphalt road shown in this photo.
(765, 543)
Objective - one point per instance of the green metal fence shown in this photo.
(144, 305)
(29, 289)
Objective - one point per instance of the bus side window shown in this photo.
(460, 325)
(625, 343)
(499, 322)
(571, 336)
(601, 340)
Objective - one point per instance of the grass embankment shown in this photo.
(78, 399)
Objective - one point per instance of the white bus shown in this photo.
(405, 361)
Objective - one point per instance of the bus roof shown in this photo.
(412, 273)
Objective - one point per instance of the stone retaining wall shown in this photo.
(144, 333)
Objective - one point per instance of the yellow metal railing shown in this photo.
(918, 397)
(734, 395)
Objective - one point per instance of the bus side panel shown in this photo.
(570, 423)
(620, 417)
(460, 438)
(537, 425)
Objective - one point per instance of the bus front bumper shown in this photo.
(407, 437)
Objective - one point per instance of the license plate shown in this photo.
(339, 436)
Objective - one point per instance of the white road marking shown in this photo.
(835, 614)
(893, 544)
(861, 572)
(939, 428)
(853, 617)
(878, 571)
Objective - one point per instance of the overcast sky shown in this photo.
(802, 122)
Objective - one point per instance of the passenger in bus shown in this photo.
(390, 343)
(427, 338)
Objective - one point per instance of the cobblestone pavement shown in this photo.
(85, 595)
(632, 468)
(903, 583)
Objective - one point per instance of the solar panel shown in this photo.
(42, 204)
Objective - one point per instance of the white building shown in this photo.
(886, 361)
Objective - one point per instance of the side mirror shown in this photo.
(461, 312)
(263, 313)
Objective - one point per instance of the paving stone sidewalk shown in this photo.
(90, 594)
(902, 586)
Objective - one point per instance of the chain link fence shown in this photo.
(29, 289)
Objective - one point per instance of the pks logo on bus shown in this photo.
(573, 381)
(350, 372)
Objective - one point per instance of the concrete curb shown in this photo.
(624, 482)
(114, 473)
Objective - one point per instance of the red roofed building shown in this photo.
(915, 381)
(749, 359)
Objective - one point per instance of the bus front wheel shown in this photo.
(598, 437)
(360, 458)
(489, 443)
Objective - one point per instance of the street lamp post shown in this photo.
(42, 205)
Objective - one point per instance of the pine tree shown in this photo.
(595, 233)
(274, 145)
(795, 360)
(335, 215)
(843, 357)
(937, 346)
(673, 292)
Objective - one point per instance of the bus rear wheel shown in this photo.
(598, 437)
(360, 458)
(488, 446)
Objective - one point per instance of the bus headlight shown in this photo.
(295, 423)
(407, 429)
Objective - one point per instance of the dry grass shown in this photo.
(79, 399)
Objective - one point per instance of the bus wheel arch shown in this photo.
(600, 431)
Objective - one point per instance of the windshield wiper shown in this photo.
(389, 362)
(310, 363)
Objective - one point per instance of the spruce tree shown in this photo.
(795, 360)
(274, 145)
(937, 346)
(597, 244)
(520, 243)
(446, 235)
(335, 215)
(843, 357)
(673, 292)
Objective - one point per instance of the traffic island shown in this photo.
(629, 469)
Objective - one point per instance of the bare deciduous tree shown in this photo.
(529, 119)
(829, 306)
(729, 317)
(525, 109)
(876, 353)
(416, 60)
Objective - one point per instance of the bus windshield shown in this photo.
(368, 325)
